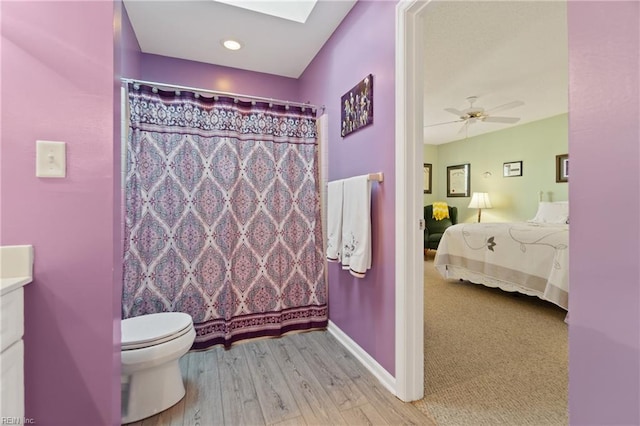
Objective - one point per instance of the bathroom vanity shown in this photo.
(16, 271)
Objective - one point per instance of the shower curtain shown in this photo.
(222, 215)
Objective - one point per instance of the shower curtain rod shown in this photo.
(231, 95)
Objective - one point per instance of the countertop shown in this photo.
(16, 267)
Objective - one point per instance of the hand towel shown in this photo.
(334, 220)
(440, 210)
(356, 225)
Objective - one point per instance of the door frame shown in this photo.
(409, 274)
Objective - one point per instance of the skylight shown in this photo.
(293, 10)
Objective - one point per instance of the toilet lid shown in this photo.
(151, 329)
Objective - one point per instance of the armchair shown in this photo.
(435, 228)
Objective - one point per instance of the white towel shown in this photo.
(356, 225)
(334, 220)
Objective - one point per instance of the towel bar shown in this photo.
(378, 177)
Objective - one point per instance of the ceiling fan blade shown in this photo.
(456, 112)
(446, 122)
(508, 120)
(464, 127)
(506, 106)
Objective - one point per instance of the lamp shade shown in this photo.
(480, 200)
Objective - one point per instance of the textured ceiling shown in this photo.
(499, 51)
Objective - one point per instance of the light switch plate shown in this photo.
(51, 161)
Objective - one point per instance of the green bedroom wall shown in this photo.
(514, 199)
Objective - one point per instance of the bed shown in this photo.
(526, 257)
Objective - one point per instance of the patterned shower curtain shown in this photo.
(222, 215)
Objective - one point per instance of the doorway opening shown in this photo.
(410, 72)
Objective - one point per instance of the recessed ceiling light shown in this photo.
(231, 44)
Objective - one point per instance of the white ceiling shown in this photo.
(194, 30)
(499, 51)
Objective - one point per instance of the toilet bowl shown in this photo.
(151, 347)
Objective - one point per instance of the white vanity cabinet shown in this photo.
(16, 271)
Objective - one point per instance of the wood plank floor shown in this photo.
(299, 379)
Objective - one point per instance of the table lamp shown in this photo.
(480, 200)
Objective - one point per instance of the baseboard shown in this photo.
(383, 376)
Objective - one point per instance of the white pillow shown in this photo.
(552, 212)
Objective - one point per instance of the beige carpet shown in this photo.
(492, 357)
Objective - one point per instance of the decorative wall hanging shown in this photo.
(357, 107)
(562, 168)
(513, 168)
(427, 178)
(458, 180)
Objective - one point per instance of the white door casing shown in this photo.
(409, 352)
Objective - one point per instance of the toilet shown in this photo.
(151, 347)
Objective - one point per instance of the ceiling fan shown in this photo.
(474, 114)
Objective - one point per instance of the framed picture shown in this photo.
(357, 107)
(426, 178)
(562, 168)
(458, 180)
(514, 168)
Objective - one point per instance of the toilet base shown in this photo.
(150, 391)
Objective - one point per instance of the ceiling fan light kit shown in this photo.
(473, 114)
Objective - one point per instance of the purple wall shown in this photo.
(120, 18)
(364, 43)
(604, 359)
(61, 53)
(213, 77)
(130, 53)
(127, 62)
(58, 84)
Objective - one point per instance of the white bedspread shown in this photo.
(530, 258)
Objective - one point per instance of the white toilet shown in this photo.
(151, 347)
